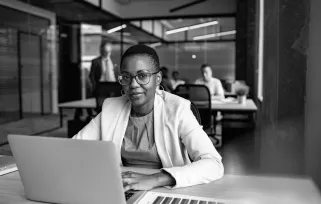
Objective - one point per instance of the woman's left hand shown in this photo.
(138, 181)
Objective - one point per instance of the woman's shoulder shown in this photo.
(114, 102)
(174, 101)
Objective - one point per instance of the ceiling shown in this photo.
(159, 8)
(82, 11)
(224, 24)
(73, 10)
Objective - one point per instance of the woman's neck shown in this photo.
(143, 110)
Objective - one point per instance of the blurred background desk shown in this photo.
(80, 104)
(231, 107)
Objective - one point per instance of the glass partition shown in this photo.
(182, 44)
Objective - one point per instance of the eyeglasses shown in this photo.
(142, 78)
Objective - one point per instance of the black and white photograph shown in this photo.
(160, 101)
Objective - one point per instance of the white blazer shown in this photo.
(177, 135)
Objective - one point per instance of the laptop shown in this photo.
(57, 170)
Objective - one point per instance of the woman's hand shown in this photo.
(138, 181)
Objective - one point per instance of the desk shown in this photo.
(229, 106)
(233, 107)
(244, 189)
(80, 104)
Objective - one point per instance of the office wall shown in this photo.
(281, 116)
(26, 51)
(313, 96)
(50, 53)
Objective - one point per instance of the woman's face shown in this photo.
(138, 94)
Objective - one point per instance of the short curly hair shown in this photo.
(141, 50)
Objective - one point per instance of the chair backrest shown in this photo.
(195, 92)
(200, 96)
(196, 113)
(106, 90)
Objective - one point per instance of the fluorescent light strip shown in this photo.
(203, 25)
(116, 28)
(191, 27)
(155, 44)
(201, 37)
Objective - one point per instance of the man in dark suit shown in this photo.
(102, 68)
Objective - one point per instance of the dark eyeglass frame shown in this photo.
(150, 74)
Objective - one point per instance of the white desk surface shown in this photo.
(86, 103)
(244, 189)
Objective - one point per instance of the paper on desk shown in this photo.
(150, 197)
(7, 165)
(224, 100)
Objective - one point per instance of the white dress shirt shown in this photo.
(107, 72)
(214, 85)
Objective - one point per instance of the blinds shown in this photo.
(9, 72)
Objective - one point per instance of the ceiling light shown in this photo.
(176, 30)
(213, 35)
(191, 27)
(116, 28)
(193, 56)
(155, 44)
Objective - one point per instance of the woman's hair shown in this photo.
(142, 50)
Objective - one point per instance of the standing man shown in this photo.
(102, 68)
(213, 84)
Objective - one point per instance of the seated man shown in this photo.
(214, 85)
(175, 81)
(166, 84)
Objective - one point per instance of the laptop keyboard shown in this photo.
(128, 195)
(171, 200)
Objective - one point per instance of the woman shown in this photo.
(154, 129)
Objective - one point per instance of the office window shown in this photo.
(187, 58)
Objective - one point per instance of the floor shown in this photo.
(244, 151)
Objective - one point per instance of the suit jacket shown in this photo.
(178, 136)
(95, 71)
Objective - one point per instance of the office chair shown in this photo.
(196, 113)
(106, 90)
(200, 95)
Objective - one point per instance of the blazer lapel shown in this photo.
(117, 116)
(159, 131)
(121, 125)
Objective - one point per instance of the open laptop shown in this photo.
(70, 171)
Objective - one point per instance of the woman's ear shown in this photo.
(159, 78)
